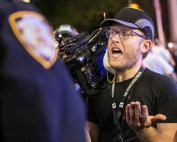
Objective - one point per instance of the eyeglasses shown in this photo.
(123, 34)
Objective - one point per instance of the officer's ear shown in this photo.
(146, 45)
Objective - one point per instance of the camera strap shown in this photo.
(118, 111)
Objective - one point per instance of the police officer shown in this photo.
(37, 98)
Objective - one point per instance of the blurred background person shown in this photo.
(159, 48)
(38, 99)
(173, 51)
(65, 32)
(159, 59)
(159, 65)
(61, 35)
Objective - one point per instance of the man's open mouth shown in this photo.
(116, 51)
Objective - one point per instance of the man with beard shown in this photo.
(128, 108)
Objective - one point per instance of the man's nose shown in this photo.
(116, 38)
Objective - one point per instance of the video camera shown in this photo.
(84, 58)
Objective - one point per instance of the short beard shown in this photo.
(131, 60)
(125, 66)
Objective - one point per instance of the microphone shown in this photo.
(92, 41)
(89, 40)
(70, 43)
(78, 37)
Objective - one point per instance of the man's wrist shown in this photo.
(146, 134)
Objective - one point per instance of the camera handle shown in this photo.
(89, 92)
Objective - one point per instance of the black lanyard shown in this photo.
(117, 111)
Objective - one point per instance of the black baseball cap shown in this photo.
(134, 18)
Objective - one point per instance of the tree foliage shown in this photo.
(87, 15)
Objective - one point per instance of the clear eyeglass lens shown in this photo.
(122, 34)
(109, 33)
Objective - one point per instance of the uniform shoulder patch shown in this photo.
(35, 34)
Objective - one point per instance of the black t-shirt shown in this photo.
(156, 91)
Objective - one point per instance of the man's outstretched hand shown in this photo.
(139, 119)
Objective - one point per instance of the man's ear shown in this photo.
(145, 46)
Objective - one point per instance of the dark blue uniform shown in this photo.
(38, 102)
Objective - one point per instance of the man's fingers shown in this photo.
(137, 120)
(137, 113)
(144, 115)
(158, 117)
(132, 111)
(127, 112)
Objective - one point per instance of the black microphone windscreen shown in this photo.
(80, 36)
